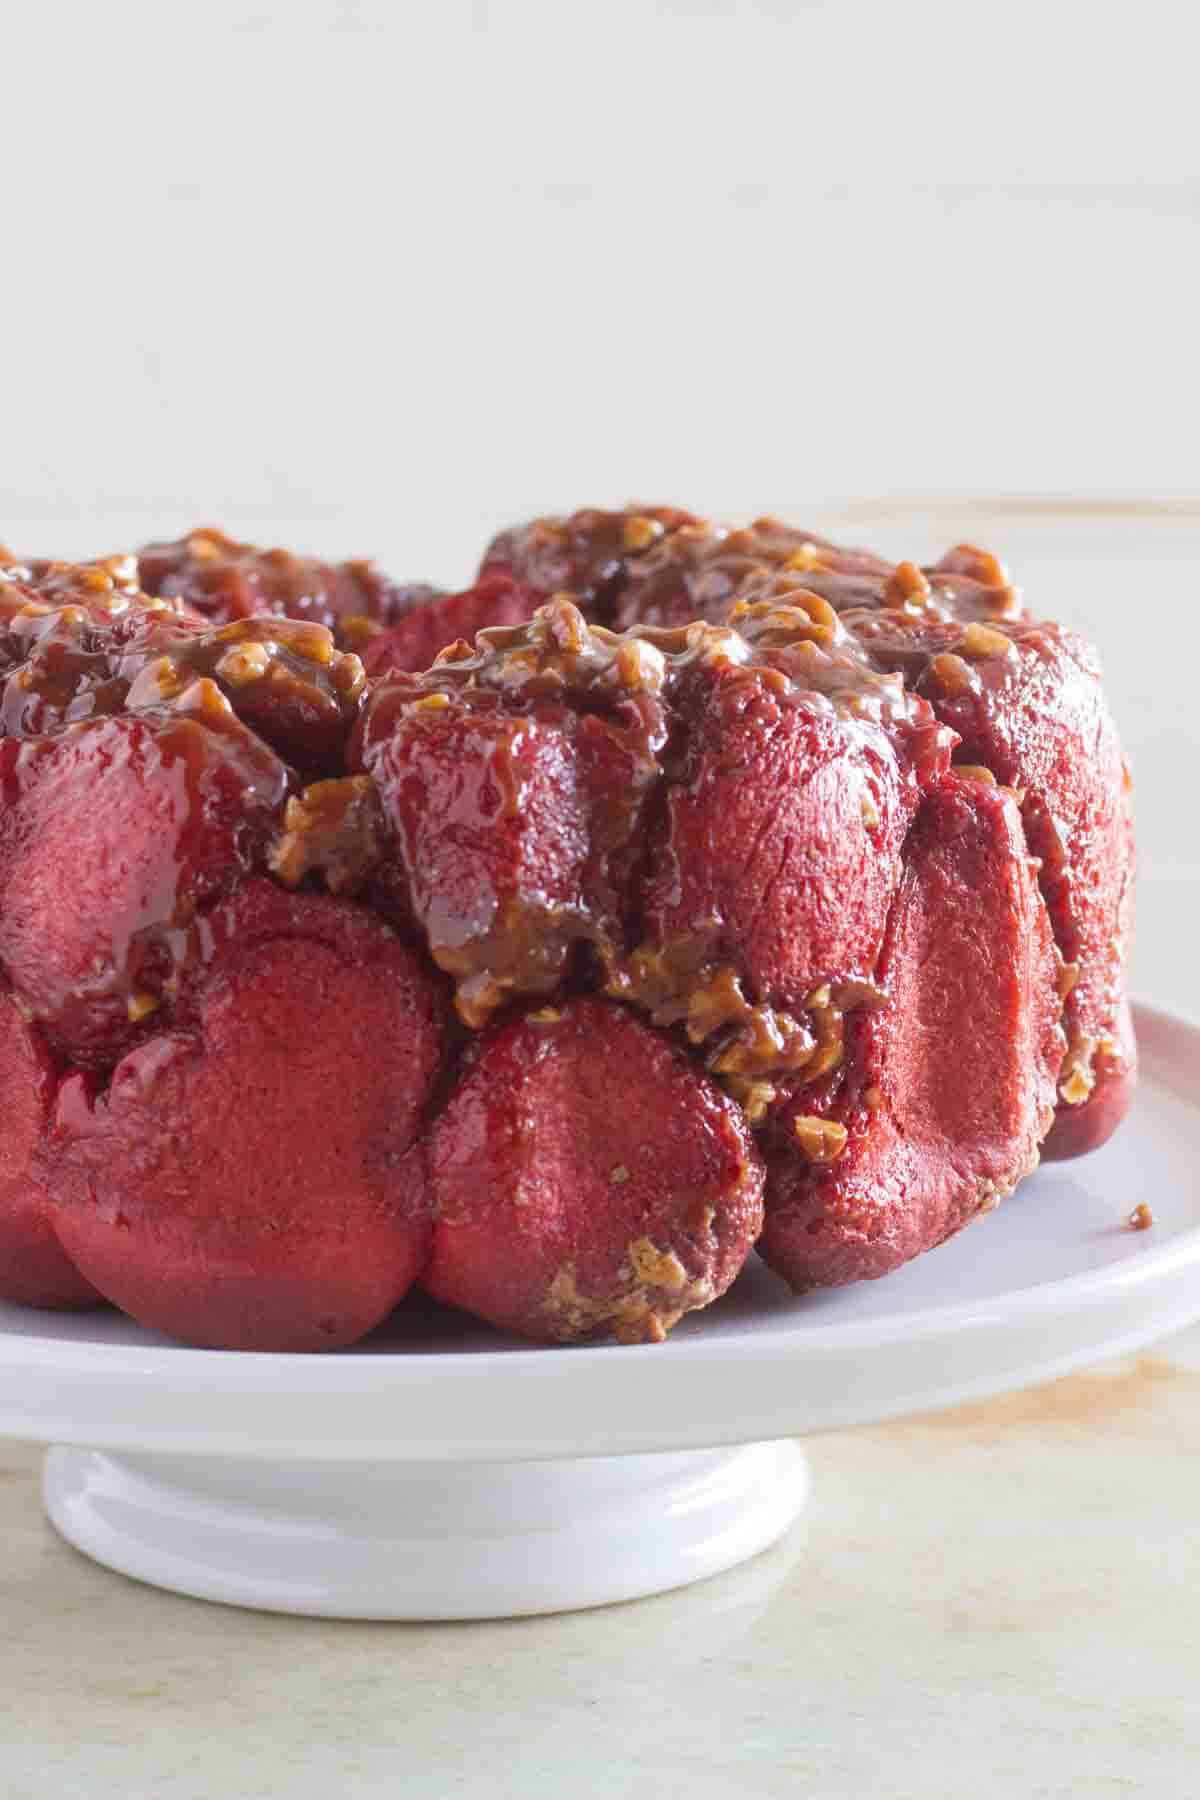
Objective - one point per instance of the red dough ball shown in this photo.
(1026, 700)
(781, 842)
(72, 640)
(490, 828)
(515, 836)
(588, 554)
(113, 835)
(587, 1180)
(246, 1182)
(687, 789)
(948, 1088)
(1037, 717)
(701, 570)
(415, 639)
(283, 678)
(34, 1269)
(72, 649)
(225, 580)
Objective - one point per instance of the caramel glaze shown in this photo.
(192, 798)
(702, 570)
(1001, 686)
(636, 699)
(225, 723)
(225, 581)
(957, 634)
(649, 612)
(588, 554)
(81, 641)
(661, 566)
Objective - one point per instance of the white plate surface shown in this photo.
(1053, 1279)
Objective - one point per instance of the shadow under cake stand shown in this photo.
(440, 1471)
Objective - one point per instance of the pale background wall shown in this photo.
(387, 274)
(378, 278)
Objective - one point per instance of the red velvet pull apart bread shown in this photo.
(672, 892)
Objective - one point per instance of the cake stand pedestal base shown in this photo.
(433, 1540)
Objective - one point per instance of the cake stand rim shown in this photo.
(157, 1384)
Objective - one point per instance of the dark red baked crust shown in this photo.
(725, 866)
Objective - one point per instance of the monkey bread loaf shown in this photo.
(672, 892)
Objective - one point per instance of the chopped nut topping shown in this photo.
(657, 1268)
(1076, 1088)
(334, 829)
(349, 677)
(313, 643)
(754, 1097)
(763, 1038)
(98, 580)
(244, 663)
(1141, 1218)
(953, 674)
(982, 641)
(822, 1140)
(830, 1043)
(1068, 976)
(160, 680)
(203, 696)
(479, 995)
(975, 772)
(806, 558)
(457, 652)
(638, 532)
(981, 565)
(208, 546)
(1078, 1076)
(357, 630)
(640, 666)
(568, 627)
(638, 1312)
(907, 586)
(817, 608)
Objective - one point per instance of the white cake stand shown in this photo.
(441, 1471)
